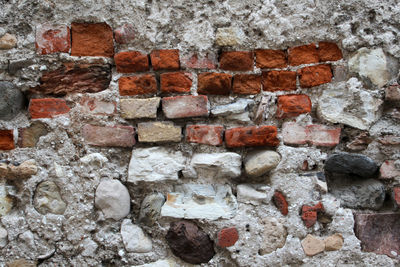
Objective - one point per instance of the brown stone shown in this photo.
(6, 140)
(329, 51)
(246, 84)
(189, 242)
(214, 83)
(24, 170)
(131, 61)
(175, 82)
(236, 61)
(28, 137)
(292, 106)
(333, 242)
(315, 75)
(137, 85)
(304, 54)
(392, 94)
(74, 78)
(281, 80)
(167, 59)
(92, 39)
(269, 59)
(312, 245)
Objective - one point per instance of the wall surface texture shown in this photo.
(199, 133)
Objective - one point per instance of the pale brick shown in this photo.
(159, 132)
(185, 106)
(119, 135)
(139, 108)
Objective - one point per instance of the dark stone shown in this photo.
(348, 163)
(17, 65)
(151, 208)
(189, 242)
(378, 232)
(11, 101)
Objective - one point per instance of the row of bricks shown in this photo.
(161, 132)
(173, 107)
(223, 83)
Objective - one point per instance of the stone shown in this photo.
(211, 83)
(252, 136)
(378, 232)
(24, 170)
(155, 164)
(205, 134)
(189, 242)
(334, 242)
(89, 247)
(315, 75)
(312, 245)
(161, 263)
(92, 39)
(371, 65)
(95, 159)
(349, 163)
(134, 238)
(7, 140)
(329, 51)
(47, 108)
(20, 66)
(258, 163)
(139, 108)
(125, 34)
(252, 193)
(159, 132)
(175, 82)
(292, 106)
(270, 59)
(74, 78)
(262, 109)
(237, 107)
(28, 137)
(236, 61)
(8, 41)
(48, 199)
(392, 94)
(96, 106)
(280, 202)
(389, 140)
(360, 142)
(273, 235)
(218, 165)
(150, 209)
(279, 80)
(228, 36)
(309, 214)
(145, 84)
(177, 107)
(246, 84)
(227, 237)
(113, 199)
(3, 237)
(11, 101)
(304, 54)
(167, 59)
(195, 60)
(117, 136)
(6, 201)
(131, 61)
(389, 169)
(21, 263)
(52, 39)
(200, 201)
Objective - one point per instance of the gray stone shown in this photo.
(48, 199)
(151, 208)
(16, 65)
(134, 238)
(11, 101)
(273, 236)
(112, 197)
(349, 163)
(237, 107)
(260, 162)
(3, 237)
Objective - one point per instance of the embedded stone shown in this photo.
(273, 235)
(113, 199)
(11, 101)
(260, 162)
(21, 263)
(228, 36)
(159, 132)
(189, 242)
(48, 199)
(280, 202)
(8, 41)
(349, 163)
(134, 239)
(227, 237)
(7, 140)
(28, 137)
(6, 201)
(139, 108)
(312, 245)
(333, 242)
(360, 142)
(161, 263)
(23, 170)
(392, 94)
(150, 208)
(252, 193)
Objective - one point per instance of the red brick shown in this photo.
(52, 39)
(329, 51)
(292, 106)
(269, 59)
(6, 140)
(214, 83)
(281, 80)
(237, 61)
(227, 237)
(388, 170)
(175, 82)
(252, 136)
(246, 84)
(92, 39)
(309, 214)
(315, 75)
(137, 85)
(304, 54)
(185, 106)
(165, 59)
(194, 60)
(131, 61)
(98, 107)
(125, 34)
(280, 202)
(118, 136)
(205, 134)
(47, 107)
(396, 195)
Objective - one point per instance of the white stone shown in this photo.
(237, 107)
(196, 201)
(112, 197)
(95, 159)
(216, 165)
(160, 263)
(134, 238)
(260, 162)
(155, 164)
(89, 247)
(252, 193)
(3, 237)
(348, 103)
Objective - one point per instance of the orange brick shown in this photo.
(6, 140)
(252, 136)
(292, 106)
(246, 84)
(315, 75)
(175, 82)
(268, 59)
(137, 85)
(214, 83)
(329, 52)
(236, 61)
(165, 59)
(304, 54)
(281, 80)
(131, 61)
(47, 107)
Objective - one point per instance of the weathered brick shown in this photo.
(280, 202)
(252, 136)
(137, 85)
(214, 83)
(227, 237)
(131, 61)
(281, 80)
(92, 39)
(193, 60)
(315, 75)
(139, 108)
(159, 132)
(319, 135)
(304, 54)
(28, 137)
(7, 140)
(389, 170)
(97, 107)
(185, 106)
(329, 51)
(396, 195)
(246, 84)
(175, 82)
(205, 134)
(292, 106)
(236, 60)
(165, 59)
(124, 34)
(52, 39)
(309, 214)
(47, 107)
(118, 135)
(269, 59)
(74, 78)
